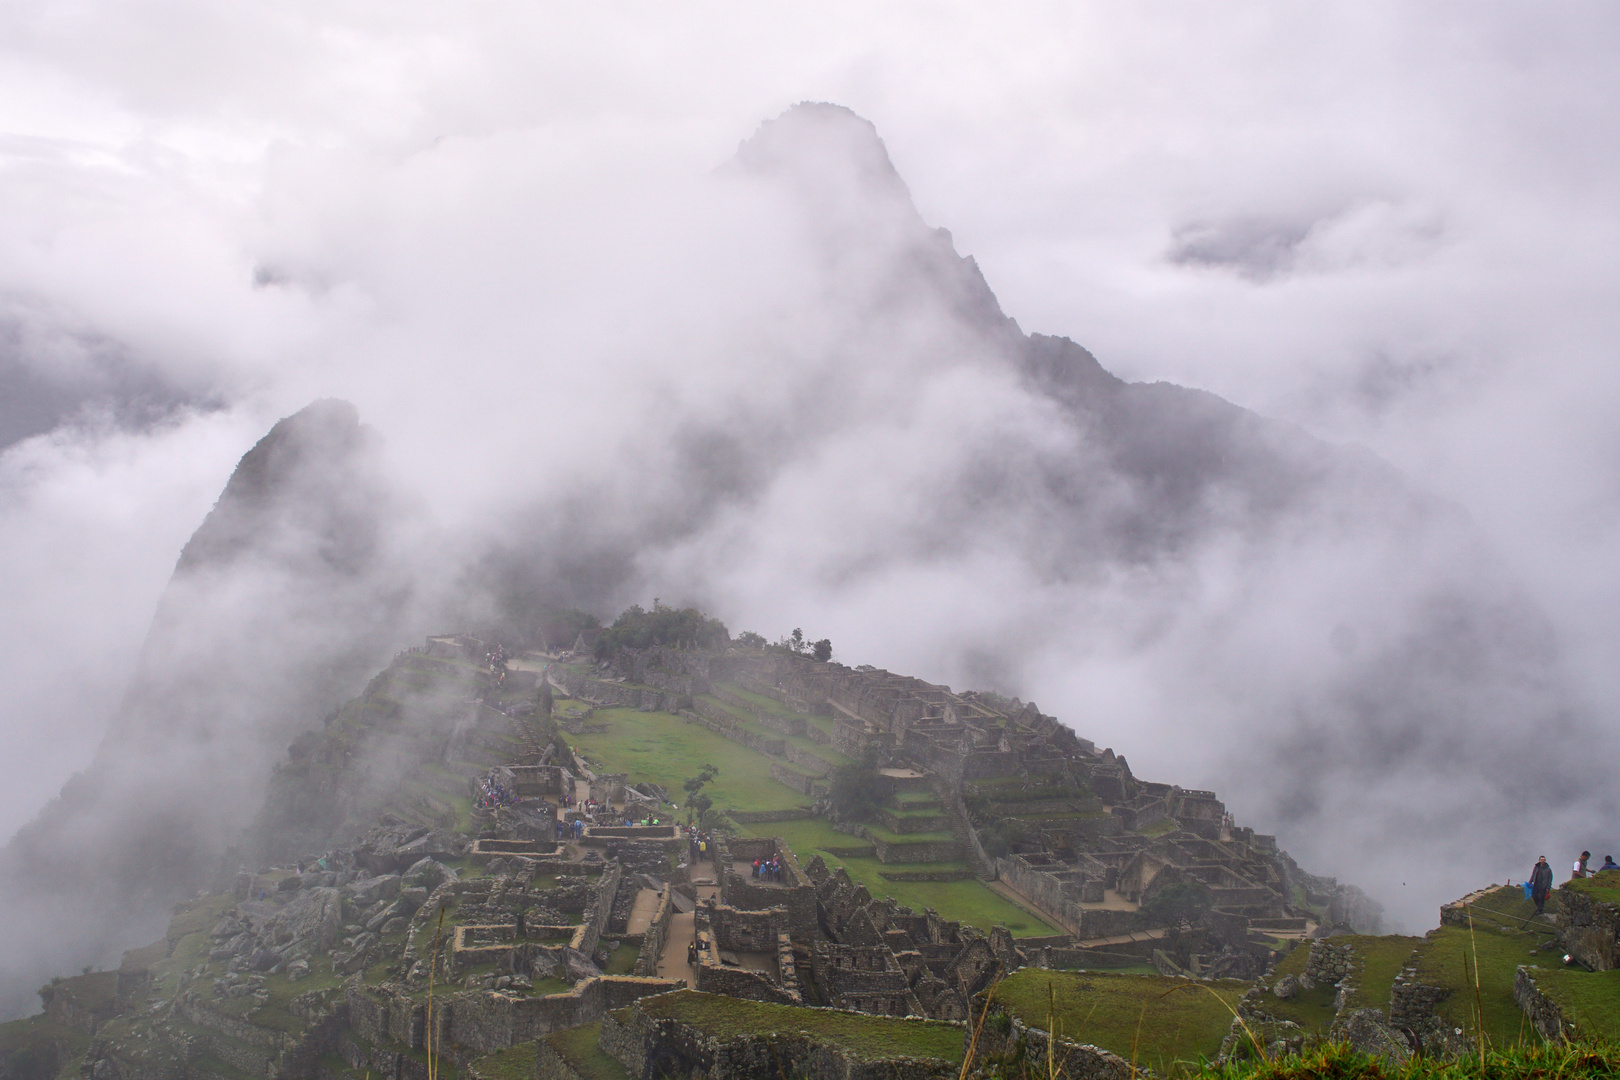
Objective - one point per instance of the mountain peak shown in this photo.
(826, 149)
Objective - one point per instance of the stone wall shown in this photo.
(746, 931)
(652, 941)
(809, 762)
(795, 892)
(725, 725)
(1544, 1014)
(486, 1021)
(1590, 930)
(911, 852)
(809, 786)
(649, 1047)
(1012, 1038)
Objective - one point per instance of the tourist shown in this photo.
(1581, 870)
(1609, 864)
(1541, 876)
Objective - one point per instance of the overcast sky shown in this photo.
(1393, 224)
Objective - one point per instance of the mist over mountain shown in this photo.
(280, 604)
(791, 401)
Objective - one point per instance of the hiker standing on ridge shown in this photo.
(1580, 866)
(1540, 883)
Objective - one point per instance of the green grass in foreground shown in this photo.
(513, 1063)
(969, 901)
(872, 1037)
(1553, 1061)
(1446, 959)
(664, 749)
(580, 1048)
(1166, 1021)
(1588, 999)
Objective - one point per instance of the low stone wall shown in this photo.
(715, 978)
(729, 728)
(926, 875)
(809, 762)
(914, 823)
(489, 1020)
(805, 785)
(649, 1047)
(1544, 1014)
(926, 852)
(1010, 1038)
(759, 817)
(657, 933)
(746, 931)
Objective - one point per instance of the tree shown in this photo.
(751, 639)
(1184, 903)
(697, 802)
(858, 789)
(795, 640)
(823, 650)
(637, 628)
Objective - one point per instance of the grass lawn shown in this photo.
(1178, 1020)
(873, 1037)
(513, 1063)
(1589, 999)
(579, 1047)
(969, 901)
(664, 749)
(1446, 959)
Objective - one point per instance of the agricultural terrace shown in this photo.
(660, 748)
(875, 1038)
(1164, 1024)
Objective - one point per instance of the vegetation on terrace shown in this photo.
(1168, 1025)
(872, 1037)
(1532, 1061)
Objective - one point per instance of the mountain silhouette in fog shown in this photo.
(290, 592)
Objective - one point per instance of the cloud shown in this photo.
(500, 234)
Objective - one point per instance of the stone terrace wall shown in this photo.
(486, 1021)
(1592, 930)
(648, 1047)
(727, 726)
(652, 941)
(1545, 1015)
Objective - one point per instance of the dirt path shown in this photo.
(682, 928)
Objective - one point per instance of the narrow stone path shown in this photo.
(683, 928)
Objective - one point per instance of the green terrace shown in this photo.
(967, 900)
(747, 722)
(664, 749)
(1381, 958)
(874, 1038)
(1168, 1025)
(579, 1048)
(659, 748)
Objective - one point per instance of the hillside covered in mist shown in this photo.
(832, 422)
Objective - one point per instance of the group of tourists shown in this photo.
(492, 795)
(1539, 887)
(697, 844)
(574, 829)
(768, 869)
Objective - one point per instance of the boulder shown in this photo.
(577, 966)
(1286, 987)
(427, 874)
(413, 898)
(370, 890)
(313, 917)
